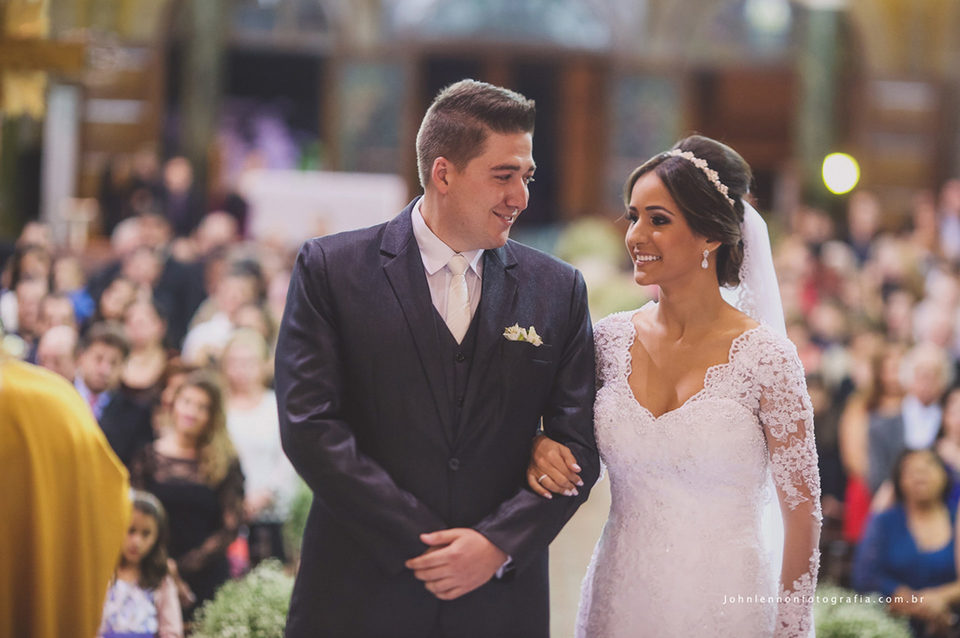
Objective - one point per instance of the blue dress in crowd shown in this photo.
(888, 557)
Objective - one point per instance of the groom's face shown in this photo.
(485, 198)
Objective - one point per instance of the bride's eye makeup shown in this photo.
(659, 220)
(632, 216)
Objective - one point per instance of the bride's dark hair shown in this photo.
(705, 208)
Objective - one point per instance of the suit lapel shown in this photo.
(498, 302)
(403, 267)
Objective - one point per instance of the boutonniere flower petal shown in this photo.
(528, 335)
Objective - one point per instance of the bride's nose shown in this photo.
(636, 234)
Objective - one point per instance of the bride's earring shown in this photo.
(704, 264)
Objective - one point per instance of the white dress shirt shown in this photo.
(435, 255)
(920, 423)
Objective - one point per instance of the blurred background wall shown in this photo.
(341, 86)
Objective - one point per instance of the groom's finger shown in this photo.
(427, 560)
(444, 590)
(432, 574)
(442, 537)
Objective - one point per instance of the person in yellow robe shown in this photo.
(64, 507)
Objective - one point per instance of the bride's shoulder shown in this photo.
(614, 331)
(614, 321)
(770, 339)
(769, 350)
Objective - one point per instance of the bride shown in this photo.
(701, 406)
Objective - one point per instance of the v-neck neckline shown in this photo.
(731, 352)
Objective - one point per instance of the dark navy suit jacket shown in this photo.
(365, 419)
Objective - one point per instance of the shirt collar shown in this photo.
(87, 393)
(912, 405)
(433, 251)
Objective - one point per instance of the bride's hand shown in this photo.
(552, 468)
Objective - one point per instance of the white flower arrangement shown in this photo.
(528, 335)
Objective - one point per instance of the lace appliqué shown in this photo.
(794, 469)
(693, 483)
(787, 416)
(795, 607)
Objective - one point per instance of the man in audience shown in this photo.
(926, 374)
(126, 423)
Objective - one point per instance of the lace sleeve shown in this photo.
(141, 467)
(230, 495)
(786, 415)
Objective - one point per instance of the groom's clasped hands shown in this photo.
(457, 561)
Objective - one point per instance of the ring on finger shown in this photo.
(542, 476)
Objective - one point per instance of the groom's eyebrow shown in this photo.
(512, 167)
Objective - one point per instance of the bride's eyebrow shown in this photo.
(654, 209)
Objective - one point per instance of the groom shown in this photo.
(410, 413)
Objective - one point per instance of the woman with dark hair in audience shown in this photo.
(193, 469)
(145, 327)
(878, 400)
(908, 550)
(174, 375)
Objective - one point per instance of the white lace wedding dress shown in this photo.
(682, 552)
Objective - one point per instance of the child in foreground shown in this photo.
(142, 600)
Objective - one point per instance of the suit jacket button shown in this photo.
(461, 357)
(454, 464)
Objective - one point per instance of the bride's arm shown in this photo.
(787, 418)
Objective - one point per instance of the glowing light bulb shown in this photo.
(841, 172)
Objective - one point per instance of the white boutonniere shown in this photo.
(516, 333)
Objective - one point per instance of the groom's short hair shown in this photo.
(460, 118)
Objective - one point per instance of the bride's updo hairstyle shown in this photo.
(706, 208)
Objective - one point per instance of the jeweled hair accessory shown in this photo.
(711, 174)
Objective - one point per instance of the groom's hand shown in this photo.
(459, 560)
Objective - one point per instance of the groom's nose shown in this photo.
(518, 196)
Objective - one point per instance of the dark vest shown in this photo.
(457, 361)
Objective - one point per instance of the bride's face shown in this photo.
(659, 240)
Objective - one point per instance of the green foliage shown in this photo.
(253, 607)
(297, 519)
(591, 238)
(841, 613)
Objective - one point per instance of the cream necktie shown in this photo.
(458, 299)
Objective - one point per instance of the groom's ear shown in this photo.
(438, 175)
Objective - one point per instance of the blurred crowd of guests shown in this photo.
(169, 339)
(874, 309)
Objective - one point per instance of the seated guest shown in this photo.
(55, 309)
(144, 326)
(30, 293)
(240, 286)
(254, 426)
(126, 423)
(926, 373)
(908, 550)
(948, 441)
(57, 351)
(193, 469)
